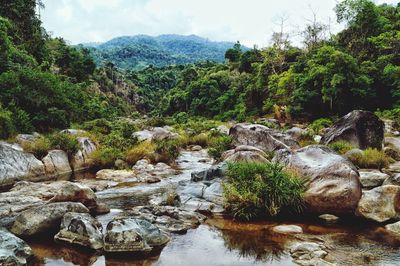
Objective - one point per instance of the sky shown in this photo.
(251, 22)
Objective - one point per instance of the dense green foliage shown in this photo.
(257, 190)
(358, 68)
(138, 52)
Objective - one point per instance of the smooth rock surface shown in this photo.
(56, 163)
(81, 229)
(13, 250)
(309, 254)
(372, 178)
(47, 217)
(245, 153)
(393, 228)
(261, 137)
(393, 180)
(380, 204)
(362, 129)
(287, 229)
(81, 159)
(333, 184)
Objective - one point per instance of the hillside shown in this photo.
(137, 52)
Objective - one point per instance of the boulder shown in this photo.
(391, 127)
(81, 159)
(362, 129)
(133, 235)
(372, 178)
(155, 134)
(145, 171)
(215, 171)
(47, 217)
(296, 133)
(329, 218)
(56, 163)
(392, 153)
(392, 180)
(333, 184)
(196, 148)
(244, 153)
(26, 139)
(392, 147)
(380, 204)
(287, 229)
(13, 250)
(393, 228)
(261, 137)
(309, 254)
(117, 175)
(81, 229)
(16, 165)
(74, 132)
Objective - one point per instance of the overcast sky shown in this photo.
(250, 21)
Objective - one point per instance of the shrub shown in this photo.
(102, 126)
(105, 157)
(140, 151)
(319, 124)
(6, 124)
(65, 142)
(166, 151)
(181, 118)
(341, 146)
(370, 158)
(219, 145)
(201, 139)
(256, 190)
(117, 140)
(39, 148)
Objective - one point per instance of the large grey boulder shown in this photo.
(261, 137)
(245, 153)
(133, 235)
(380, 204)
(309, 254)
(363, 129)
(82, 159)
(56, 163)
(47, 217)
(13, 250)
(155, 134)
(333, 184)
(81, 229)
(17, 165)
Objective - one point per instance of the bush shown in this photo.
(370, 158)
(6, 124)
(140, 151)
(181, 118)
(201, 139)
(319, 124)
(105, 157)
(256, 190)
(117, 140)
(65, 142)
(341, 146)
(166, 151)
(219, 145)
(102, 126)
(39, 148)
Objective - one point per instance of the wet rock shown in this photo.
(363, 129)
(309, 254)
(41, 219)
(13, 250)
(380, 204)
(211, 173)
(81, 159)
(81, 229)
(168, 218)
(392, 180)
(329, 218)
(16, 165)
(372, 178)
(26, 195)
(244, 153)
(261, 137)
(333, 184)
(393, 228)
(56, 163)
(287, 229)
(133, 235)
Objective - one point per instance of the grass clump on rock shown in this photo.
(341, 146)
(258, 190)
(370, 158)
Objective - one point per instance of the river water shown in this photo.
(222, 241)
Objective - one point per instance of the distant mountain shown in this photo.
(137, 52)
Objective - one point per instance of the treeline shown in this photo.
(44, 83)
(358, 68)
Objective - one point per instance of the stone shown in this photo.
(392, 146)
(223, 129)
(215, 171)
(362, 129)
(26, 139)
(81, 229)
(261, 137)
(117, 175)
(155, 134)
(309, 254)
(121, 164)
(393, 228)
(332, 181)
(296, 133)
(196, 148)
(133, 235)
(372, 178)
(13, 250)
(245, 153)
(380, 204)
(81, 160)
(17, 165)
(287, 229)
(392, 153)
(47, 217)
(74, 132)
(329, 218)
(56, 163)
(391, 127)
(392, 180)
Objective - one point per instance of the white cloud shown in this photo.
(251, 21)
